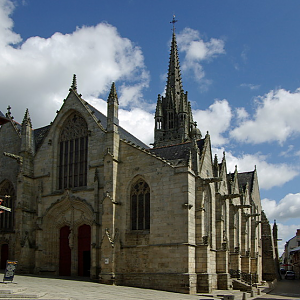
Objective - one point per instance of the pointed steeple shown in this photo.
(112, 110)
(74, 83)
(158, 111)
(26, 120)
(173, 117)
(216, 168)
(27, 144)
(174, 88)
(113, 96)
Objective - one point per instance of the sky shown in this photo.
(239, 61)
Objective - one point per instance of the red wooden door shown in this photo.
(4, 255)
(64, 252)
(84, 250)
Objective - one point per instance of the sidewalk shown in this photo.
(33, 287)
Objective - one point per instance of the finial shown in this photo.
(216, 160)
(74, 83)
(113, 93)
(27, 119)
(173, 22)
(8, 110)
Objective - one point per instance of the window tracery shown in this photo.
(73, 147)
(140, 206)
(7, 218)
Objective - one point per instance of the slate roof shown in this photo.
(178, 153)
(244, 178)
(39, 135)
(3, 119)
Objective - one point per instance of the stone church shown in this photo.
(90, 199)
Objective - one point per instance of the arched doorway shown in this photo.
(64, 252)
(4, 255)
(84, 250)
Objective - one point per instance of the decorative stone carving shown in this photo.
(75, 127)
(205, 240)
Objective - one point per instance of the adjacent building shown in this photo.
(291, 255)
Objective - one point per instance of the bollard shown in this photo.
(258, 291)
(252, 293)
(244, 296)
(228, 297)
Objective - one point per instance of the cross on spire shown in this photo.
(173, 22)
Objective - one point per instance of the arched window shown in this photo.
(171, 119)
(158, 123)
(7, 218)
(73, 147)
(140, 206)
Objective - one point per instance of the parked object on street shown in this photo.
(289, 275)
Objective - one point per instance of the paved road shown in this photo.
(286, 289)
(33, 287)
(62, 289)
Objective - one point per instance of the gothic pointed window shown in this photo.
(8, 198)
(171, 120)
(140, 206)
(73, 147)
(158, 123)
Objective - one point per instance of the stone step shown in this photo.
(11, 291)
(20, 296)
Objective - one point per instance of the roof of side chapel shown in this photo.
(178, 152)
(246, 178)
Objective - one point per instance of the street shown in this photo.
(286, 289)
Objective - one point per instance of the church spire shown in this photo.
(174, 88)
(173, 118)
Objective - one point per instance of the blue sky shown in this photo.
(239, 60)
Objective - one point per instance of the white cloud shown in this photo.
(7, 36)
(241, 113)
(216, 119)
(197, 50)
(289, 152)
(287, 208)
(138, 121)
(276, 118)
(251, 86)
(269, 175)
(38, 73)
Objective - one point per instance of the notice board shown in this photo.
(10, 269)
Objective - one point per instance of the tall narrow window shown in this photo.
(171, 120)
(140, 206)
(73, 147)
(158, 123)
(8, 196)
